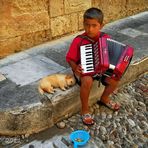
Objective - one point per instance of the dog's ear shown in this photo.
(68, 76)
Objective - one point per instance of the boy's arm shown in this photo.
(75, 68)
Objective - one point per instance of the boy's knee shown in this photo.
(111, 81)
(86, 81)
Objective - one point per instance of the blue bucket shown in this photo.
(79, 138)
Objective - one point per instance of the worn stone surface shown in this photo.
(132, 32)
(112, 9)
(30, 70)
(20, 102)
(76, 6)
(62, 106)
(26, 119)
(133, 6)
(27, 23)
(2, 77)
(134, 71)
(21, 17)
(56, 8)
(80, 23)
(35, 38)
(60, 25)
(64, 24)
(119, 8)
(74, 22)
(125, 128)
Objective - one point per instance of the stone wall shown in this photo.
(26, 23)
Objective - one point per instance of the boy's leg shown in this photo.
(86, 85)
(112, 85)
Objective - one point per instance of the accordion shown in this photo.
(106, 56)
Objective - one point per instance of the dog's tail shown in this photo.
(41, 91)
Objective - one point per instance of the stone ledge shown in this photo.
(37, 117)
(26, 120)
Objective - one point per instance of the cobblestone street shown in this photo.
(126, 128)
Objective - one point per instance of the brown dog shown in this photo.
(50, 82)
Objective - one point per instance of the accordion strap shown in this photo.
(85, 37)
(89, 39)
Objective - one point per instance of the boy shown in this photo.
(93, 23)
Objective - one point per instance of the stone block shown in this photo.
(112, 9)
(76, 5)
(31, 39)
(80, 20)
(60, 25)
(9, 46)
(23, 24)
(134, 6)
(74, 22)
(134, 71)
(26, 119)
(18, 18)
(64, 105)
(56, 8)
(115, 9)
(18, 7)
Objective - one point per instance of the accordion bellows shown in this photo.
(107, 56)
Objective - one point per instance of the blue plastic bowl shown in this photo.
(79, 138)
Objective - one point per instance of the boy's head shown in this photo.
(93, 21)
(94, 13)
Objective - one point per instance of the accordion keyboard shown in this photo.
(87, 58)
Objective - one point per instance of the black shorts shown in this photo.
(98, 78)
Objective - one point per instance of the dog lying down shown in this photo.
(63, 81)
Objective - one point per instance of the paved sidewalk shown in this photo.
(20, 73)
(23, 70)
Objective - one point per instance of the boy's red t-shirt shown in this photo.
(74, 50)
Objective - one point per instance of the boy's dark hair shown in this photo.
(94, 13)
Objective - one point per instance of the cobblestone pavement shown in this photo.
(127, 128)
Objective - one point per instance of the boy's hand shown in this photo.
(78, 70)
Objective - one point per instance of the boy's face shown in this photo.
(92, 27)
